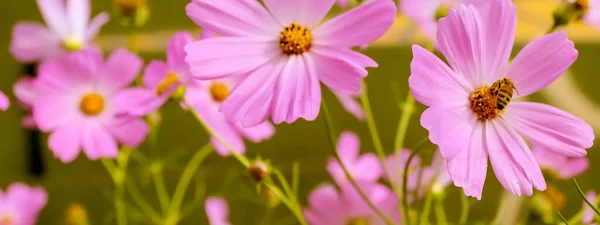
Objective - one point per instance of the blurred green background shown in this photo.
(87, 182)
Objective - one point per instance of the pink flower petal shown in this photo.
(217, 211)
(342, 3)
(120, 69)
(541, 62)
(429, 74)
(340, 69)
(128, 130)
(351, 105)
(257, 133)
(562, 166)
(589, 214)
(25, 91)
(552, 128)
(95, 25)
(31, 42)
(359, 26)
(4, 102)
(53, 111)
(233, 17)
(514, 165)
(468, 169)
(69, 72)
(175, 52)
(305, 12)
(65, 142)
(204, 106)
(348, 146)
(139, 101)
(97, 142)
(297, 93)
(55, 15)
(460, 37)
(450, 128)
(500, 22)
(78, 16)
(227, 56)
(250, 101)
(154, 73)
(26, 201)
(325, 207)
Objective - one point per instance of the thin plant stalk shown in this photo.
(424, 219)
(144, 205)
(161, 190)
(440, 213)
(405, 181)
(332, 141)
(464, 213)
(590, 204)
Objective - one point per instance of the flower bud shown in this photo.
(76, 215)
(258, 171)
(134, 12)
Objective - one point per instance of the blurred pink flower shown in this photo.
(26, 93)
(282, 53)
(164, 79)
(351, 105)
(471, 122)
(68, 29)
(425, 12)
(364, 168)
(434, 175)
(76, 104)
(4, 102)
(217, 211)
(21, 204)
(561, 166)
(589, 214)
(328, 206)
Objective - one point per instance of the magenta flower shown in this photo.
(420, 179)
(76, 104)
(471, 116)
(69, 29)
(364, 168)
(328, 206)
(561, 166)
(217, 211)
(588, 215)
(281, 53)
(21, 204)
(26, 93)
(162, 80)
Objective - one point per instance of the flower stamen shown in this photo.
(295, 39)
(219, 92)
(490, 102)
(92, 104)
(169, 80)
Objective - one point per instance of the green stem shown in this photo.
(332, 141)
(577, 217)
(188, 173)
(440, 213)
(139, 200)
(405, 206)
(407, 111)
(590, 204)
(120, 207)
(562, 218)
(424, 219)
(118, 173)
(464, 213)
(161, 190)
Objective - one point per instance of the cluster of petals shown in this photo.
(163, 80)
(477, 43)
(277, 84)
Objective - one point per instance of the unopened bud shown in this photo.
(76, 215)
(258, 171)
(272, 198)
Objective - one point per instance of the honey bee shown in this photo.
(501, 92)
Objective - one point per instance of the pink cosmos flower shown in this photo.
(26, 93)
(21, 204)
(217, 211)
(76, 104)
(561, 166)
(364, 168)
(470, 115)
(420, 179)
(162, 80)
(328, 206)
(68, 29)
(588, 216)
(427, 12)
(282, 52)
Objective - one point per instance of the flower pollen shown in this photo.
(73, 43)
(219, 92)
(92, 104)
(295, 39)
(169, 80)
(490, 102)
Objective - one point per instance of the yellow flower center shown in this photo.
(73, 43)
(7, 219)
(358, 221)
(169, 80)
(219, 92)
(295, 39)
(490, 102)
(92, 104)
